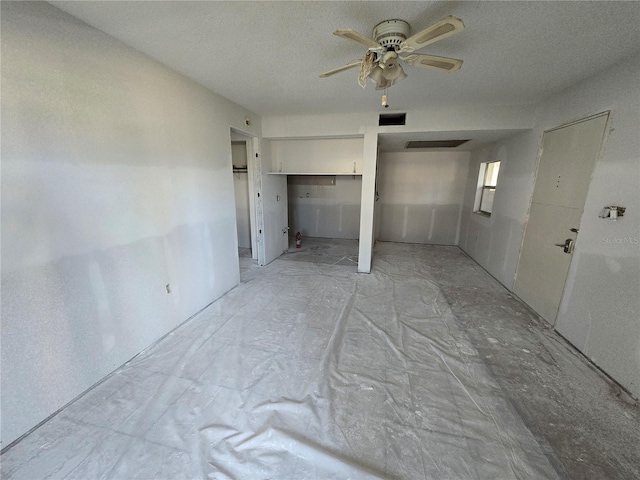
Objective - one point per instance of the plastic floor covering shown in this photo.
(330, 251)
(303, 371)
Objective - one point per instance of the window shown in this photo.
(487, 181)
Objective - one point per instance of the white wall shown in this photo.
(116, 180)
(472, 118)
(599, 310)
(327, 211)
(317, 155)
(494, 242)
(367, 200)
(421, 196)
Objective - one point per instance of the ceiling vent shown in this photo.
(392, 119)
(435, 143)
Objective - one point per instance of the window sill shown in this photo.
(483, 214)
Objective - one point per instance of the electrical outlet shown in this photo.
(168, 287)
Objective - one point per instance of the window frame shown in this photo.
(483, 186)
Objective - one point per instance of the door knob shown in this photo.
(567, 246)
(574, 230)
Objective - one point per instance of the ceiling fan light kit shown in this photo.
(391, 44)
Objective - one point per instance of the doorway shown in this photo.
(241, 156)
(567, 159)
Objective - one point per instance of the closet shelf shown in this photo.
(316, 173)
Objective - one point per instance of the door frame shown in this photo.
(252, 148)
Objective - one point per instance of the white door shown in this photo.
(276, 238)
(567, 160)
(273, 232)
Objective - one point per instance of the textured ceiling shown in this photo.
(266, 56)
(396, 142)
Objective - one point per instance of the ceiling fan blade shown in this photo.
(443, 29)
(357, 37)
(340, 69)
(443, 64)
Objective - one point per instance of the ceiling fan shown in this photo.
(391, 43)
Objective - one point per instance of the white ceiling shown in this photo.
(266, 56)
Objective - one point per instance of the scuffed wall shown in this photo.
(599, 310)
(327, 211)
(116, 181)
(421, 196)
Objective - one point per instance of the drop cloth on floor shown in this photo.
(304, 371)
(330, 251)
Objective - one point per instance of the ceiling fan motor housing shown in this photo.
(391, 33)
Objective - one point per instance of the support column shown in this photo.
(367, 201)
